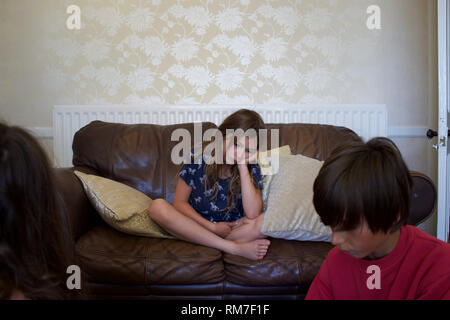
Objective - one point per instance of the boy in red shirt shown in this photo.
(363, 192)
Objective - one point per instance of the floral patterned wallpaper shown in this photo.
(207, 52)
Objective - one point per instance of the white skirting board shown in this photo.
(368, 121)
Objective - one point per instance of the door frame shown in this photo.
(443, 210)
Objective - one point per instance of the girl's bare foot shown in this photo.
(253, 250)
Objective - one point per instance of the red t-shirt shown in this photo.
(417, 268)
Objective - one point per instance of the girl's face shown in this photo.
(240, 150)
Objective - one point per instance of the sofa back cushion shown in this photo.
(138, 155)
(312, 140)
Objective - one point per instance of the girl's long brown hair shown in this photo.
(33, 255)
(242, 119)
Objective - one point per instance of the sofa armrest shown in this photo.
(75, 204)
(424, 196)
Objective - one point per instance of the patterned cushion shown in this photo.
(121, 206)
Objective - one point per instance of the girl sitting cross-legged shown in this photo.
(219, 204)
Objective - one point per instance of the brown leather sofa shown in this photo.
(117, 265)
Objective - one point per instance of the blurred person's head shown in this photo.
(33, 259)
(363, 192)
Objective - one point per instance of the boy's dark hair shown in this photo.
(364, 182)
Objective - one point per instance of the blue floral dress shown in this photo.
(202, 202)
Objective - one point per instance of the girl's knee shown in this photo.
(157, 209)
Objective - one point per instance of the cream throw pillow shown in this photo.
(269, 168)
(290, 211)
(121, 206)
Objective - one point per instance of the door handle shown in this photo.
(431, 134)
(442, 141)
(440, 144)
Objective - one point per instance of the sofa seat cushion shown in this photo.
(109, 256)
(287, 263)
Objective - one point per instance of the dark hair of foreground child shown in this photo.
(33, 255)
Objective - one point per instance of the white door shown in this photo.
(443, 221)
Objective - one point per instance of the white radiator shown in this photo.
(368, 121)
